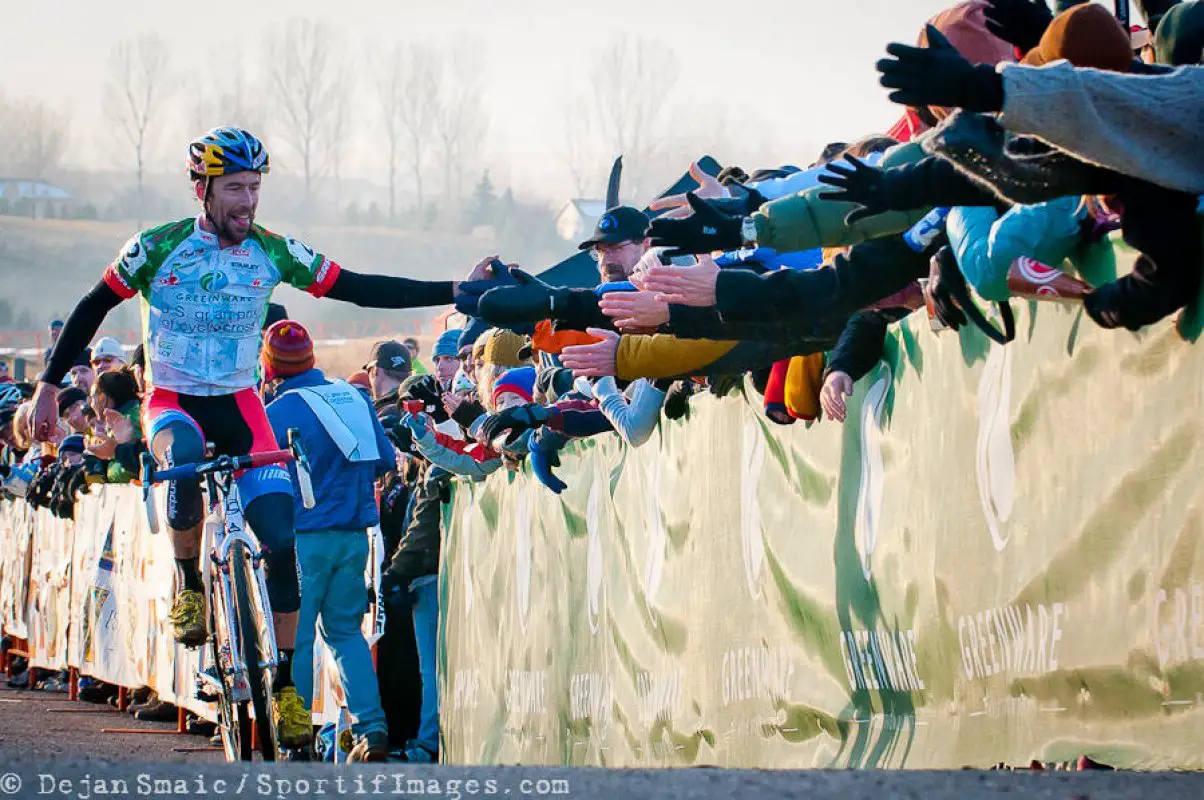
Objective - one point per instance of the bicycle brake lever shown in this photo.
(304, 482)
(148, 495)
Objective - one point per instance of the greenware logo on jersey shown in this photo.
(214, 281)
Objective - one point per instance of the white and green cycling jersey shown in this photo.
(203, 305)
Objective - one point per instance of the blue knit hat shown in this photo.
(520, 381)
(448, 344)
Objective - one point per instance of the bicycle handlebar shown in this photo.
(222, 464)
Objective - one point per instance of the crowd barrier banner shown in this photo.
(95, 593)
(998, 557)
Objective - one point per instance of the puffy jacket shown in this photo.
(343, 490)
(987, 243)
(803, 221)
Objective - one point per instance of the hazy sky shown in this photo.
(805, 65)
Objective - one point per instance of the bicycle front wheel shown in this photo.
(259, 677)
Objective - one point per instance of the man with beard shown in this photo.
(205, 285)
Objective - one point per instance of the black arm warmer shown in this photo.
(79, 329)
(386, 291)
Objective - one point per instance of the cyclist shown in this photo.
(205, 283)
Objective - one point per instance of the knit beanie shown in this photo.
(448, 344)
(520, 381)
(72, 444)
(1086, 36)
(360, 379)
(69, 397)
(287, 350)
(506, 349)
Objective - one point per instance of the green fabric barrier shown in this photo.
(998, 557)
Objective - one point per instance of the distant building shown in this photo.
(33, 198)
(576, 219)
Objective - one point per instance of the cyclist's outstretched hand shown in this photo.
(45, 412)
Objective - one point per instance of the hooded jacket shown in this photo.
(343, 490)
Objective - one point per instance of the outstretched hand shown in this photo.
(938, 75)
(859, 183)
(489, 273)
(516, 420)
(705, 231)
(635, 312)
(1018, 22)
(525, 299)
(709, 188)
(686, 286)
(595, 360)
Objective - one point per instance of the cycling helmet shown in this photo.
(11, 398)
(224, 151)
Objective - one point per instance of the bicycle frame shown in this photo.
(225, 501)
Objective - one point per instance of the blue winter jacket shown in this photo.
(343, 490)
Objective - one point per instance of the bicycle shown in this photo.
(243, 655)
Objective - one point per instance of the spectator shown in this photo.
(81, 375)
(75, 411)
(107, 354)
(415, 352)
(117, 405)
(446, 357)
(360, 379)
(347, 449)
(388, 366)
(55, 330)
(618, 243)
(4, 376)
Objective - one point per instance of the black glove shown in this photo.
(944, 279)
(938, 75)
(860, 183)
(401, 437)
(704, 231)
(1019, 22)
(677, 400)
(469, 293)
(517, 420)
(528, 300)
(467, 412)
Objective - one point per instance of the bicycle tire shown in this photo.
(258, 678)
(234, 719)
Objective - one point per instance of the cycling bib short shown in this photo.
(203, 305)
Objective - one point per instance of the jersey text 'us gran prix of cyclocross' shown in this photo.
(203, 305)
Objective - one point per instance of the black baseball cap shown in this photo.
(619, 224)
(390, 355)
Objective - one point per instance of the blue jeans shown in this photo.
(424, 596)
(334, 597)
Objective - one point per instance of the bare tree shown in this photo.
(581, 149)
(34, 135)
(407, 79)
(306, 61)
(631, 86)
(136, 92)
(234, 104)
(461, 119)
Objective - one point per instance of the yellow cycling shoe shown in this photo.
(188, 618)
(294, 722)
